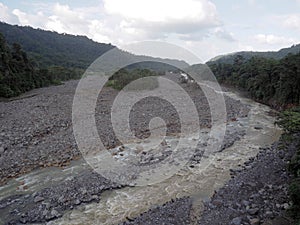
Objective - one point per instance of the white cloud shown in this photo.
(223, 34)
(291, 21)
(64, 19)
(5, 14)
(271, 39)
(61, 18)
(176, 16)
(163, 11)
(34, 20)
(120, 22)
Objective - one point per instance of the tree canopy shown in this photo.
(18, 75)
(271, 81)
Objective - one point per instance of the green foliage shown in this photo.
(18, 75)
(294, 193)
(274, 82)
(123, 77)
(294, 165)
(46, 48)
(289, 120)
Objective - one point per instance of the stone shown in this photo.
(164, 143)
(84, 191)
(45, 212)
(252, 184)
(217, 203)
(285, 206)
(38, 199)
(245, 203)
(54, 213)
(269, 214)
(253, 211)
(211, 206)
(139, 148)
(254, 221)
(236, 221)
(1, 150)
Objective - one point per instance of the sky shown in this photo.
(206, 28)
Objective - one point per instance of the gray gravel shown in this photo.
(50, 203)
(36, 131)
(174, 212)
(256, 194)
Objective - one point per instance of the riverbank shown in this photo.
(256, 194)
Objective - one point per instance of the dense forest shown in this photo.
(18, 73)
(271, 81)
(48, 48)
(33, 58)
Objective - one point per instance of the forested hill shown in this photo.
(18, 73)
(33, 58)
(47, 48)
(271, 81)
(229, 58)
(52, 49)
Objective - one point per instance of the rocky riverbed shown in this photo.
(36, 134)
(256, 194)
(36, 129)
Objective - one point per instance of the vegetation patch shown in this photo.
(271, 81)
(18, 73)
(289, 120)
(132, 78)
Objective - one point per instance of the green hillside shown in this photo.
(33, 58)
(229, 58)
(275, 82)
(52, 49)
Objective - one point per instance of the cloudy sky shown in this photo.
(205, 27)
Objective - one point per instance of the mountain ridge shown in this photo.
(49, 48)
(281, 53)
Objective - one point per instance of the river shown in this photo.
(198, 182)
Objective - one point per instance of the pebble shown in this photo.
(38, 199)
(253, 211)
(285, 206)
(245, 203)
(54, 213)
(45, 212)
(236, 221)
(269, 214)
(139, 148)
(254, 221)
